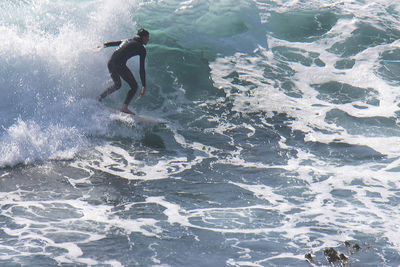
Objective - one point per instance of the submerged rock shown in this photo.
(335, 257)
(331, 255)
(343, 257)
(309, 257)
(356, 247)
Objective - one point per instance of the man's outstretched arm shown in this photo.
(114, 43)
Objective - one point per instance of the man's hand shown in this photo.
(98, 48)
(142, 92)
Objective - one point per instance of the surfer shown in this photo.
(118, 69)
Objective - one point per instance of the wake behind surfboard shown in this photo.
(135, 118)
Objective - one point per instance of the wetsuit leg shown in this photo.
(127, 75)
(116, 79)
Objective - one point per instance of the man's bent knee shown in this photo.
(134, 86)
(117, 84)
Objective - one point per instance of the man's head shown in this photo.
(144, 35)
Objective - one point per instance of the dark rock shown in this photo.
(343, 257)
(356, 247)
(331, 255)
(309, 257)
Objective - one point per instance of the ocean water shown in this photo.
(283, 134)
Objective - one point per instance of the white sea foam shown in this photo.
(68, 219)
(26, 142)
(49, 65)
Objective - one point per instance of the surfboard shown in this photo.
(136, 118)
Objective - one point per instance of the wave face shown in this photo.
(283, 134)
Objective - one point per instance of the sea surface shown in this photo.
(282, 141)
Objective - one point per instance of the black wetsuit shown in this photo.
(117, 66)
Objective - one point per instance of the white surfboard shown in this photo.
(136, 117)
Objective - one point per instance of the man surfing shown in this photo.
(118, 69)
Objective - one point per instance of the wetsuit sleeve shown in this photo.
(142, 68)
(115, 43)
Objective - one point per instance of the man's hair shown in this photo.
(142, 33)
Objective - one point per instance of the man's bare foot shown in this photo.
(126, 110)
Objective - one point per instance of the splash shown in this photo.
(50, 64)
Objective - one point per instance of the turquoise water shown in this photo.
(282, 137)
